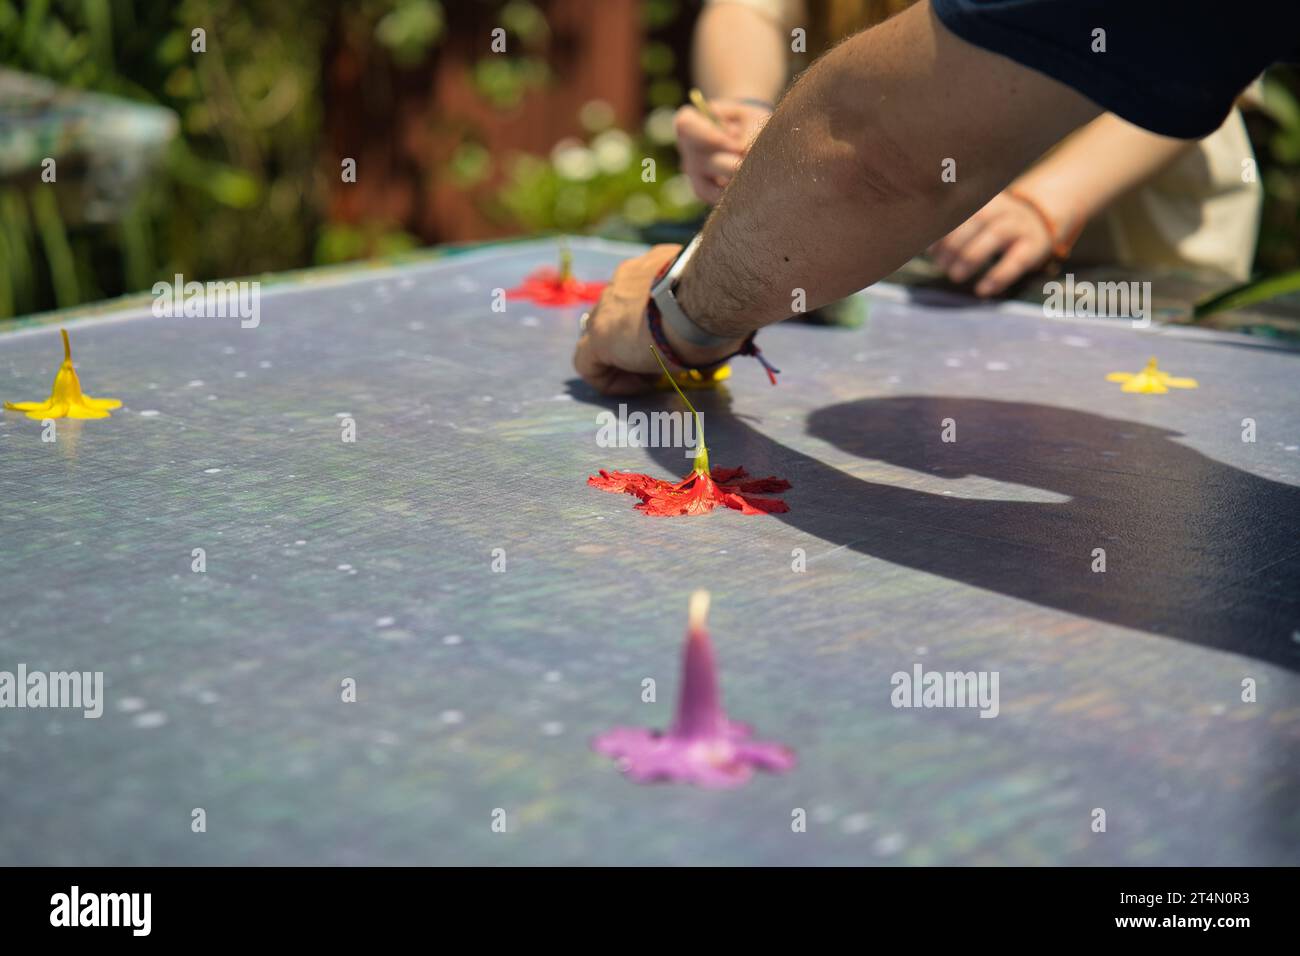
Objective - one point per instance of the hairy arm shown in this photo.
(844, 183)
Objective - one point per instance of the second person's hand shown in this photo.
(712, 153)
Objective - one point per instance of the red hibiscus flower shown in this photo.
(699, 492)
(547, 286)
(696, 494)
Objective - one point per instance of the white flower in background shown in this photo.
(678, 191)
(596, 115)
(613, 149)
(659, 125)
(572, 160)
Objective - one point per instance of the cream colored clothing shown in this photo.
(1200, 212)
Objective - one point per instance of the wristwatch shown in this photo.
(664, 294)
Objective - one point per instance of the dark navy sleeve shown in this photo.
(1171, 68)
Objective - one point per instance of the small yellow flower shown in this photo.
(66, 399)
(689, 378)
(1150, 381)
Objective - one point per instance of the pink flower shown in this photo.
(703, 746)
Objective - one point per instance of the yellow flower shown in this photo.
(66, 399)
(1150, 381)
(692, 378)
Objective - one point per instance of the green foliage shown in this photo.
(239, 191)
(1277, 144)
(410, 29)
(234, 193)
(613, 179)
(1249, 293)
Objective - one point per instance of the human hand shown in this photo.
(613, 354)
(711, 154)
(1006, 226)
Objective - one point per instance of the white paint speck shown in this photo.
(552, 677)
(150, 413)
(531, 321)
(150, 719)
(996, 366)
(552, 728)
(264, 364)
(452, 717)
(129, 705)
(856, 822)
(194, 383)
(1076, 341)
(211, 471)
(384, 621)
(344, 567)
(952, 362)
(451, 639)
(890, 843)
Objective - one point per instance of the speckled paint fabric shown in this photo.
(479, 690)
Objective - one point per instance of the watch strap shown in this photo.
(663, 294)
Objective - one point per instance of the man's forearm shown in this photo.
(846, 183)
